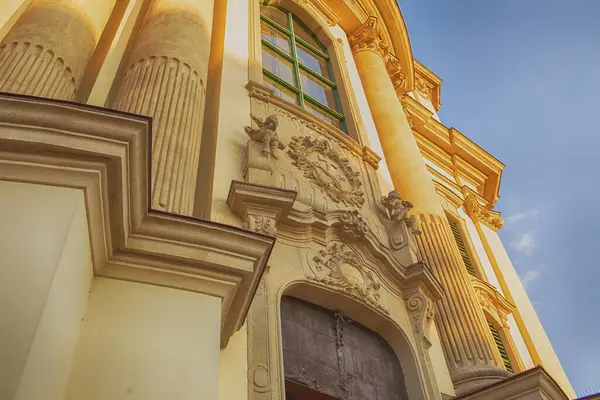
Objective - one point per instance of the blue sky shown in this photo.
(522, 79)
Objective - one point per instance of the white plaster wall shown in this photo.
(233, 374)
(47, 370)
(533, 325)
(143, 342)
(35, 223)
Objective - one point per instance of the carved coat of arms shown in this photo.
(324, 166)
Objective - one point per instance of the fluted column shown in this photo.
(47, 50)
(166, 79)
(465, 337)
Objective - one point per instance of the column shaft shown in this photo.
(166, 80)
(47, 50)
(459, 318)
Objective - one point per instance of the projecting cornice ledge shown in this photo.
(106, 154)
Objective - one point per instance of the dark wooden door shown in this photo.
(331, 354)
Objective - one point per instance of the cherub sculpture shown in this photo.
(398, 210)
(266, 133)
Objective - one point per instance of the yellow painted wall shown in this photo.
(143, 342)
(233, 372)
(438, 361)
(531, 328)
(48, 365)
(45, 268)
(9, 13)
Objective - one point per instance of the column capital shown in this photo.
(478, 212)
(368, 37)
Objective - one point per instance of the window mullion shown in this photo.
(312, 48)
(316, 75)
(295, 60)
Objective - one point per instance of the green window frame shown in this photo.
(462, 248)
(293, 89)
(501, 348)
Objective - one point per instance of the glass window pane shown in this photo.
(312, 61)
(275, 15)
(277, 65)
(303, 33)
(280, 91)
(323, 115)
(274, 37)
(317, 90)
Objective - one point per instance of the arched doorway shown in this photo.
(328, 356)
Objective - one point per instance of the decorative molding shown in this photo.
(369, 37)
(353, 225)
(479, 213)
(266, 133)
(345, 272)
(394, 69)
(371, 158)
(424, 87)
(106, 154)
(421, 312)
(259, 92)
(260, 207)
(324, 166)
(492, 301)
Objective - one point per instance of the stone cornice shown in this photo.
(479, 213)
(106, 154)
(454, 143)
(428, 84)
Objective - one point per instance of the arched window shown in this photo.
(297, 67)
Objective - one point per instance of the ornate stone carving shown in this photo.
(397, 210)
(404, 103)
(368, 37)
(421, 312)
(259, 92)
(477, 212)
(324, 166)
(261, 224)
(345, 272)
(354, 225)
(266, 134)
(392, 64)
(370, 157)
(424, 87)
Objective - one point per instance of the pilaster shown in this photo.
(47, 50)
(466, 339)
(166, 79)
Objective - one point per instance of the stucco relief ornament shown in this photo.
(368, 37)
(324, 166)
(424, 87)
(344, 271)
(398, 209)
(353, 224)
(261, 224)
(266, 133)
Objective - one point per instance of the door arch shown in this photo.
(325, 353)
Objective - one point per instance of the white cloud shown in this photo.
(512, 218)
(530, 276)
(525, 243)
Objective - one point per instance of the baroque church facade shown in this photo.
(243, 199)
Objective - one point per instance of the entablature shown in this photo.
(470, 164)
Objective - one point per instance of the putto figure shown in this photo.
(266, 133)
(398, 210)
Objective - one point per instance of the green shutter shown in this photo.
(461, 246)
(501, 348)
